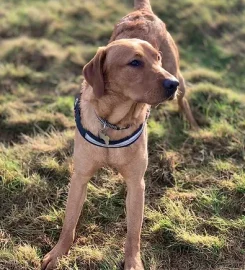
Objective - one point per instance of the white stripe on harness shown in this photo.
(122, 144)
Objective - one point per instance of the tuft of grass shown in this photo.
(54, 216)
(155, 129)
(214, 201)
(239, 180)
(88, 255)
(63, 105)
(28, 256)
(54, 142)
(197, 240)
(20, 73)
(38, 54)
(10, 170)
(181, 225)
(222, 166)
(202, 75)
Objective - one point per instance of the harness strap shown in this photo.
(91, 138)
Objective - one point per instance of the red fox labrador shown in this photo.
(137, 69)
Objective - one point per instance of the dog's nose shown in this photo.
(170, 86)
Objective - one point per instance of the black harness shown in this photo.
(91, 138)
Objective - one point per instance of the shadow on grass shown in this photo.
(12, 132)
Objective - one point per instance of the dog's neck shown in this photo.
(115, 108)
(118, 111)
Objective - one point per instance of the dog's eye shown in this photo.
(158, 57)
(135, 63)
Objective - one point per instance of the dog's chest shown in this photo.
(121, 157)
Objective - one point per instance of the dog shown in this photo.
(137, 69)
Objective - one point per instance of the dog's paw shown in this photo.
(50, 259)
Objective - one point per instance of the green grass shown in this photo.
(195, 182)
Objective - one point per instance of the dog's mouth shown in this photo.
(157, 100)
(173, 96)
(165, 99)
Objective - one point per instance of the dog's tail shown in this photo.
(142, 4)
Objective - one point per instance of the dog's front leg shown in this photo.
(135, 208)
(76, 198)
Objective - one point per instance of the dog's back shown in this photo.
(142, 24)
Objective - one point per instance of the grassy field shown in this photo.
(195, 183)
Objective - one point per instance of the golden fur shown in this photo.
(122, 94)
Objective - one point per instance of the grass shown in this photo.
(195, 182)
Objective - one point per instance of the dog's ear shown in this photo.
(93, 72)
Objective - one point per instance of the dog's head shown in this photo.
(133, 68)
